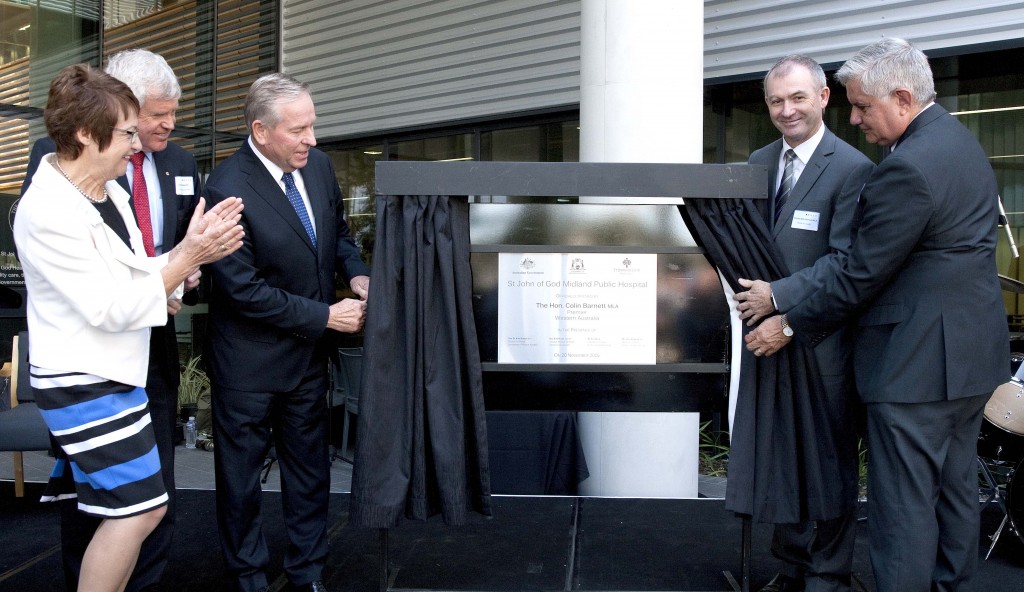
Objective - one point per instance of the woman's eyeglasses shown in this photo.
(130, 135)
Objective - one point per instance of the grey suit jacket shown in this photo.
(921, 276)
(826, 196)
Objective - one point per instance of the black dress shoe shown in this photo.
(783, 583)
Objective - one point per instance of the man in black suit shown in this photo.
(168, 190)
(272, 315)
(810, 224)
(932, 339)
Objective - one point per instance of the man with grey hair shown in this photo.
(932, 339)
(163, 180)
(274, 318)
(816, 183)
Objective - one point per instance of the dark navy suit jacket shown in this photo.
(270, 299)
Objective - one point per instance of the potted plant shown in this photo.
(194, 382)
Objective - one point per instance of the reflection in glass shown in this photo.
(37, 39)
(438, 148)
(548, 142)
(355, 170)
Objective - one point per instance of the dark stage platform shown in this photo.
(531, 544)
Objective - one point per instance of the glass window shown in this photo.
(985, 91)
(37, 39)
(449, 147)
(556, 141)
(355, 170)
(549, 142)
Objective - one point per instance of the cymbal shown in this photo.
(1011, 285)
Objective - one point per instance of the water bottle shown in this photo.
(190, 433)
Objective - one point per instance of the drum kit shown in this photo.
(1001, 442)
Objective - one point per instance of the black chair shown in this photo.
(21, 427)
(348, 370)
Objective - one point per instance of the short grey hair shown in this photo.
(146, 73)
(887, 65)
(267, 93)
(784, 65)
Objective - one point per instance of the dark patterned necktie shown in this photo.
(295, 199)
(786, 187)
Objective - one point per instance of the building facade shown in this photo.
(491, 79)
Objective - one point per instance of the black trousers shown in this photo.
(77, 529)
(819, 553)
(245, 423)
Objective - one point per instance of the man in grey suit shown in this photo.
(168, 186)
(932, 339)
(816, 194)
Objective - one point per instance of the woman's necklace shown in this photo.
(56, 161)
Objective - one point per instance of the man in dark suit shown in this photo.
(932, 339)
(272, 315)
(810, 220)
(168, 190)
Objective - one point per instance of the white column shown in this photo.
(641, 100)
(641, 81)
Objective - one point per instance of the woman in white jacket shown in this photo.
(92, 297)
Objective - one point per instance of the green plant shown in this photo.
(713, 453)
(194, 382)
(862, 468)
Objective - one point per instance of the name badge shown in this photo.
(804, 220)
(184, 186)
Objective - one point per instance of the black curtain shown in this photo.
(421, 446)
(782, 454)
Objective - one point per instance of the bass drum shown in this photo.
(1015, 500)
(1005, 408)
(995, 441)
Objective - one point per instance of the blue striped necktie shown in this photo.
(786, 187)
(295, 199)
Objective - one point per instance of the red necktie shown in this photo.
(140, 199)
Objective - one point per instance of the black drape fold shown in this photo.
(782, 455)
(421, 445)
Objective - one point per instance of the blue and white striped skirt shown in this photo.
(107, 456)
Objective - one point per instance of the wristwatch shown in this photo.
(786, 329)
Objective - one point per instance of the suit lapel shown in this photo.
(267, 188)
(169, 197)
(166, 182)
(812, 171)
(136, 254)
(318, 193)
(126, 185)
